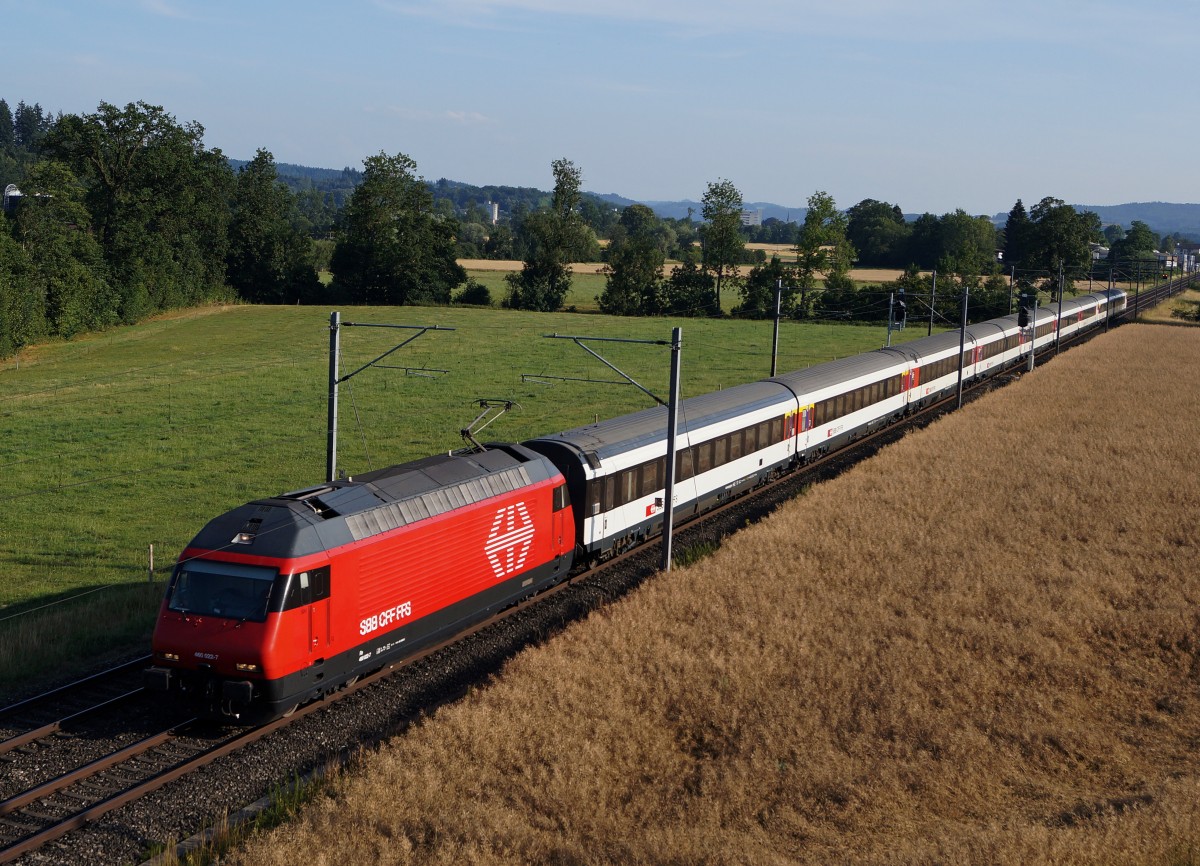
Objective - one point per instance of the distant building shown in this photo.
(12, 197)
(1186, 253)
(752, 217)
(493, 210)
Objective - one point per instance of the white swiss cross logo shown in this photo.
(510, 539)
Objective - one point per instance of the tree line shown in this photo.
(125, 212)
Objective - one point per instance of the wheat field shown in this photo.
(868, 275)
(980, 646)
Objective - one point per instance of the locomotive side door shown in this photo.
(556, 528)
(314, 588)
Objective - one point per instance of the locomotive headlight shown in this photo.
(247, 666)
(169, 657)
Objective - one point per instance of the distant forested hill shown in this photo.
(464, 196)
(1162, 217)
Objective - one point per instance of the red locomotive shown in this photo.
(285, 599)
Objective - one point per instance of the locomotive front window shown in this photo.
(222, 589)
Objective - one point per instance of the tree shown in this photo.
(270, 261)
(8, 135)
(394, 250)
(21, 320)
(158, 200)
(721, 240)
(636, 253)
(499, 243)
(772, 231)
(968, 244)
(925, 241)
(689, 290)
(471, 240)
(758, 291)
(1017, 231)
(991, 299)
(30, 124)
(821, 247)
(1113, 233)
(878, 232)
(1059, 237)
(552, 238)
(65, 279)
(1138, 243)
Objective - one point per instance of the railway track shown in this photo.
(39, 807)
(77, 698)
(1144, 299)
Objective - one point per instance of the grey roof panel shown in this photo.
(628, 432)
(320, 518)
(802, 382)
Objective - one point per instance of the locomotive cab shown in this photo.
(226, 589)
(218, 620)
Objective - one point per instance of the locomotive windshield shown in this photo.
(222, 589)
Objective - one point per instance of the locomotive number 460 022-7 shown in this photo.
(385, 618)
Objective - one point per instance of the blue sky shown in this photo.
(929, 104)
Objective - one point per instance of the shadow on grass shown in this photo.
(61, 636)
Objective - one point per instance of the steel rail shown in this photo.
(53, 786)
(55, 726)
(73, 686)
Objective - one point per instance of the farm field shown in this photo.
(136, 437)
(589, 282)
(1164, 313)
(972, 648)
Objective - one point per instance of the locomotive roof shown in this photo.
(315, 519)
(628, 432)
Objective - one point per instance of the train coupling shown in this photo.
(156, 679)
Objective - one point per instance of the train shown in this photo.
(287, 599)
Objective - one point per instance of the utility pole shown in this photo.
(335, 326)
(962, 346)
(932, 298)
(335, 345)
(672, 436)
(1033, 340)
(1108, 312)
(672, 404)
(775, 333)
(1062, 289)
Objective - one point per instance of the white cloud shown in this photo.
(466, 118)
(424, 115)
(920, 21)
(166, 9)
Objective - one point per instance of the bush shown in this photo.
(475, 294)
(1189, 311)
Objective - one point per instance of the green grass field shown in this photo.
(137, 436)
(585, 288)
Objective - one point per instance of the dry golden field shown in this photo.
(980, 646)
(1163, 313)
(871, 275)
